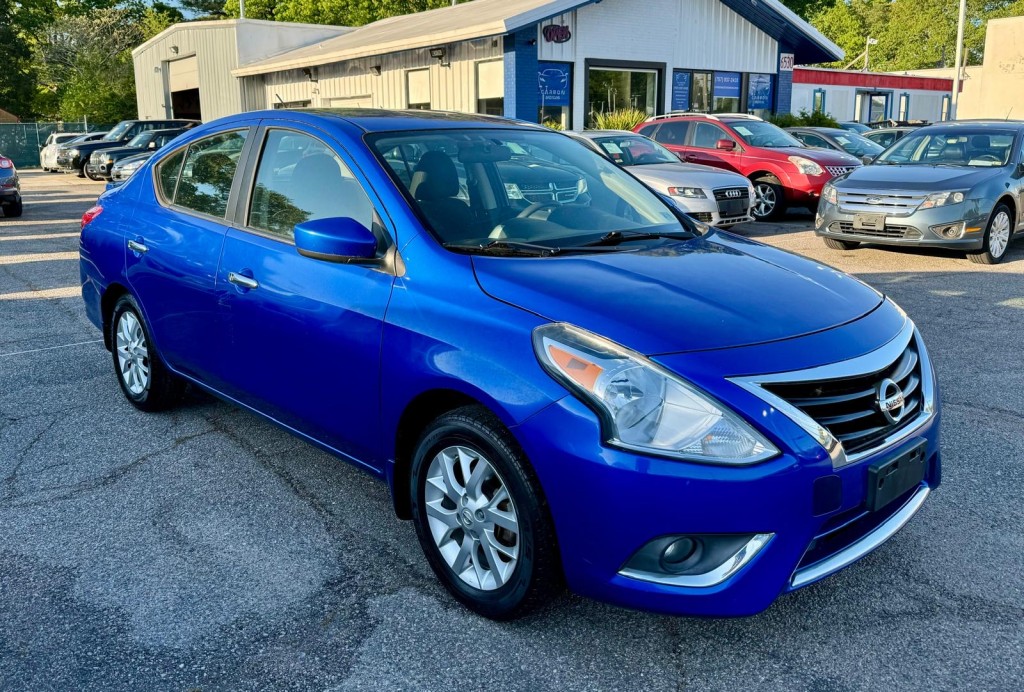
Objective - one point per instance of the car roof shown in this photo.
(594, 134)
(822, 130)
(382, 120)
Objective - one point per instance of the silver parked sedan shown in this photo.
(710, 195)
(955, 185)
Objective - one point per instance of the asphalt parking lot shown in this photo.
(205, 549)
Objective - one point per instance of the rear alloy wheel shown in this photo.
(997, 237)
(769, 202)
(479, 516)
(836, 244)
(143, 377)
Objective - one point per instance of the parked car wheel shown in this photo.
(92, 176)
(837, 244)
(997, 237)
(144, 379)
(769, 202)
(14, 209)
(479, 516)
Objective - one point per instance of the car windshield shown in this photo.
(478, 189)
(761, 134)
(963, 146)
(634, 150)
(117, 132)
(853, 143)
(141, 139)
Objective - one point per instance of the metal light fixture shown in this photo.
(174, 50)
(375, 69)
(441, 55)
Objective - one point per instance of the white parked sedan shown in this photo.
(710, 195)
(48, 154)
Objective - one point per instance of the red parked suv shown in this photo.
(784, 171)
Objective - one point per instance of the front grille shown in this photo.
(727, 193)
(889, 231)
(702, 216)
(890, 203)
(848, 408)
(836, 171)
(545, 193)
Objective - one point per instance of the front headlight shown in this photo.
(806, 166)
(642, 406)
(686, 192)
(73, 153)
(512, 191)
(941, 199)
(828, 193)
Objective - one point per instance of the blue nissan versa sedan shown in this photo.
(567, 383)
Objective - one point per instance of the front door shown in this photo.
(703, 147)
(305, 334)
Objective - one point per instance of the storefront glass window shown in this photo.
(554, 85)
(700, 92)
(615, 89)
(490, 87)
(759, 94)
(904, 107)
(727, 92)
(818, 105)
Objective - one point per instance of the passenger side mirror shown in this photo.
(726, 144)
(336, 239)
(1019, 173)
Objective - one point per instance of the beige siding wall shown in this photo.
(451, 88)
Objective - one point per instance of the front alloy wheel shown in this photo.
(768, 202)
(997, 237)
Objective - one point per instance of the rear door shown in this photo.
(174, 246)
(672, 135)
(304, 334)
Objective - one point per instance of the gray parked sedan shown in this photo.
(956, 185)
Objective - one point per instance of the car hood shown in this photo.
(712, 292)
(686, 174)
(917, 177)
(825, 157)
(119, 152)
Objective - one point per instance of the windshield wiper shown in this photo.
(517, 247)
(617, 237)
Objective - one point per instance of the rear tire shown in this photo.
(13, 210)
(836, 244)
(145, 380)
(480, 516)
(769, 199)
(998, 235)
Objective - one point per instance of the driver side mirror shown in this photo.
(1019, 171)
(336, 239)
(152, 145)
(726, 144)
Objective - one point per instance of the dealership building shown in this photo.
(539, 60)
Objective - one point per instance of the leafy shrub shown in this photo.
(805, 119)
(622, 119)
(552, 124)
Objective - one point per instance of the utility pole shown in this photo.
(958, 62)
(867, 47)
(241, 9)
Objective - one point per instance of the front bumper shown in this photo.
(607, 503)
(709, 212)
(918, 229)
(98, 169)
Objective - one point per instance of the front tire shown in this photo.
(92, 176)
(145, 380)
(480, 516)
(997, 237)
(769, 199)
(836, 244)
(13, 210)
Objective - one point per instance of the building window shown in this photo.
(417, 89)
(759, 94)
(904, 113)
(945, 107)
(818, 101)
(490, 87)
(614, 89)
(700, 92)
(554, 92)
(727, 90)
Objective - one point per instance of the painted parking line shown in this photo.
(51, 348)
(43, 236)
(41, 222)
(38, 257)
(45, 293)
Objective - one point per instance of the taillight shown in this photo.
(91, 214)
(6, 163)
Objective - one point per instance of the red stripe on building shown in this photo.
(869, 80)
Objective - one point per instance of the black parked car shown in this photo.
(10, 187)
(74, 157)
(101, 162)
(839, 139)
(887, 135)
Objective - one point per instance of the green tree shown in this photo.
(17, 76)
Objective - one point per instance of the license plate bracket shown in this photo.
(732, 207)
(868, 222)
(888, 480)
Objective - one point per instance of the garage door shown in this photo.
(183, 74)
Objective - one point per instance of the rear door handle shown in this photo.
(136, 246)
(243, 280)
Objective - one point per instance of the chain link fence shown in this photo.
(21, 142)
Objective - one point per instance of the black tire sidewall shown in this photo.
(450, 430)
(127, 304)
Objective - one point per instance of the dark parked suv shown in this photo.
(74, 157)
(101, 162)
(784, 171)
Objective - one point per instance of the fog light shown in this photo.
(679, 553)
(695, 560)
(949, 230)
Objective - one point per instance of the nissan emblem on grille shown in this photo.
(889, 398)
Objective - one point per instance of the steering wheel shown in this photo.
(536, 207)
(989, 157)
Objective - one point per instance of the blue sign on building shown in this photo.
(759, 92)
(727, 85)
(554, 81)
(680, 91)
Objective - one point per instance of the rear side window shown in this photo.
(299, 178)
(208, 171)
(167, 173)
(648, 130)
(673, 133)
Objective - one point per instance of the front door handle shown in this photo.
(136, 246)
(243, 280)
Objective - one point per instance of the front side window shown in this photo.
(476, 186)
(299, 178)
(975, 147)
(207, 173)
(706, 135)
(118, 132)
